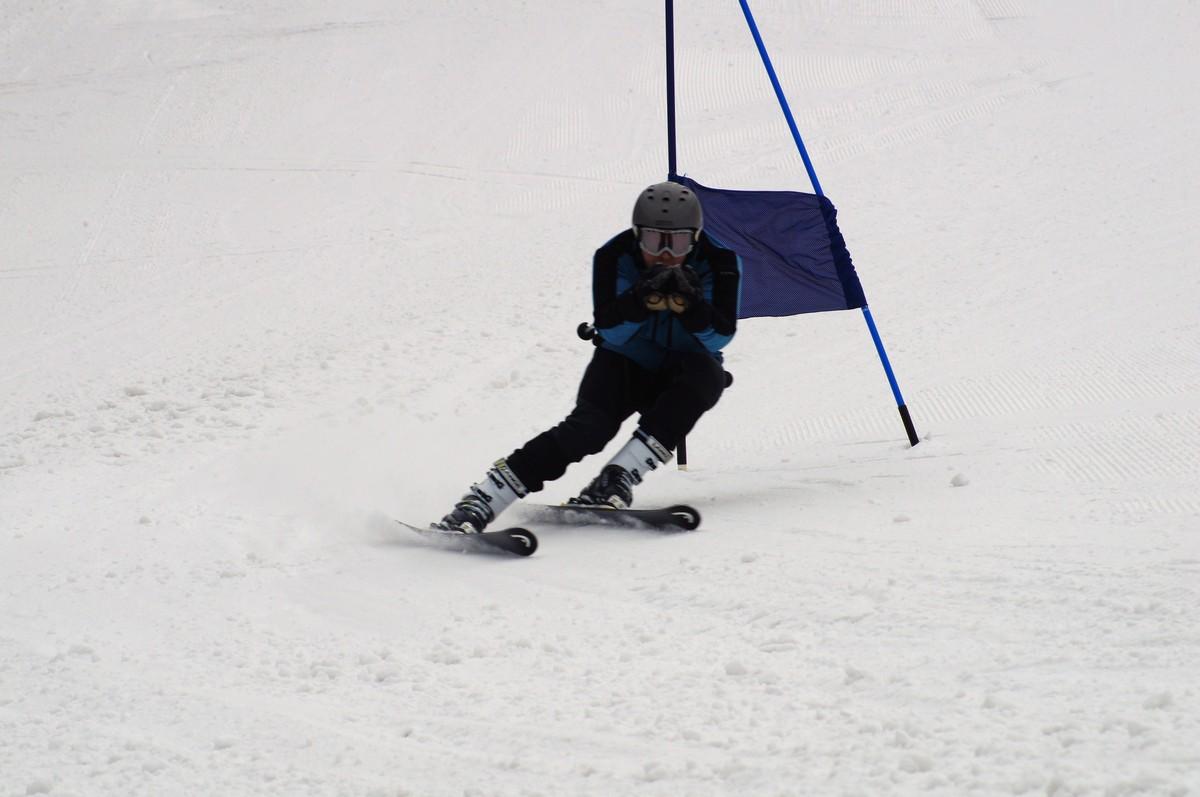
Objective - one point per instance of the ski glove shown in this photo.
(646, 294)
(686, 300)
(685, 289)
(654, 287)
(674, 288)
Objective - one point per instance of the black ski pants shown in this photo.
(670, 399)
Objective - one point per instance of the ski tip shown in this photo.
(522, 542)
(515, 540)
(688, 517)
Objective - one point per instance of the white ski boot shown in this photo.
(614, 486)
(485, 499)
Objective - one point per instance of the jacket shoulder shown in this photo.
(620, 244)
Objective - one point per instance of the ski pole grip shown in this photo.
(585, 331)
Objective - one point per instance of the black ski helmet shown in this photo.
(668, 206)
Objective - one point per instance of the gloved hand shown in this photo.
(688, 302)
(685, 289)
(654, 286)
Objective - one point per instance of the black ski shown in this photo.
(672, 518)
(519, 541)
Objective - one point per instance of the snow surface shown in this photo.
(273, 272)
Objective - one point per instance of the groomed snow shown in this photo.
(274, 272)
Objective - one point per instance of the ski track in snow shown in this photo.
(275, 273)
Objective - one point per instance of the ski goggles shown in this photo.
(655, 242)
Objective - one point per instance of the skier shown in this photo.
(665, 298)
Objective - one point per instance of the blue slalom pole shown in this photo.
(812, 176)
(905, 417)
(783, 103)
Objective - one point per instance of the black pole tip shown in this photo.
(908, 424)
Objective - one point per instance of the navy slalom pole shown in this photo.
(681, 457)
(670, 89)
(812, 176)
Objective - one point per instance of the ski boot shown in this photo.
(469, 516)
(614, 486)
(483, 501)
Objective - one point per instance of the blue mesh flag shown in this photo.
(794, 259)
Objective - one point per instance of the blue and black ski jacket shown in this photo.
(625, 326)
